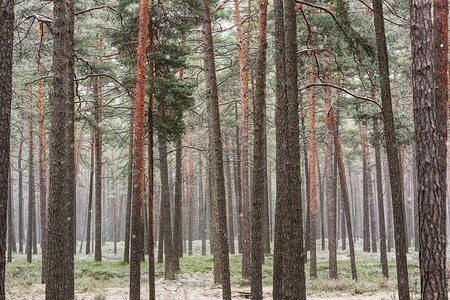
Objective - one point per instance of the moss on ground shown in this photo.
(112, 272)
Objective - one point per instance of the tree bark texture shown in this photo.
(392, 149)
(217, 186)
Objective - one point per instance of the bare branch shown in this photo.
(221, 4)
(94, 8)
(342, 90)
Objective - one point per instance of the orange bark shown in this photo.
(243, 70)
(138, 155)
(42, 155)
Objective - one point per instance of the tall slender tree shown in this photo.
(383, 254)
(31, 190)
(259, 170)
(138, 157)
(289, 271)
(312, 177)
(151, 199)
(42, 160)
(20, 187)
(126, 252)
(392, 150)
(90, 196)
(217, 186)
(60, 279)
(330, 187)
(344, 193)
(6, 47)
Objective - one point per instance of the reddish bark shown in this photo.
(243, 70)
(138, 156)
(312, 176)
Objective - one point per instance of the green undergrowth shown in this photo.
(112, 272)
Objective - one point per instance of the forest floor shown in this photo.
(109, 279)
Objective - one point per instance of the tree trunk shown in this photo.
(289, 272)
(371, 198)
(312, 177)
(178, 204)
(169, 249)
(344, 192)
(9, 208)
(89, 207)
(307, 179)
(432, 209)
(20, 187)
(259, 168)
(229, 198)
(216, 158)
(366, 214)
(237, 181)
(201, 201)
(383, 254)
(440, 77)
(126, 253)
(189, 194)
(42, 158)
(392, 148)
(322, 204)
(151, 199)
(330, 187)
(243, 71)
(31, 190)
(98, 172)
(61, 201)
(6, 47)
(138, 157)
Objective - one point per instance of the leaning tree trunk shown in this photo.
(392, 150)
(217, 187)
(344, 194)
